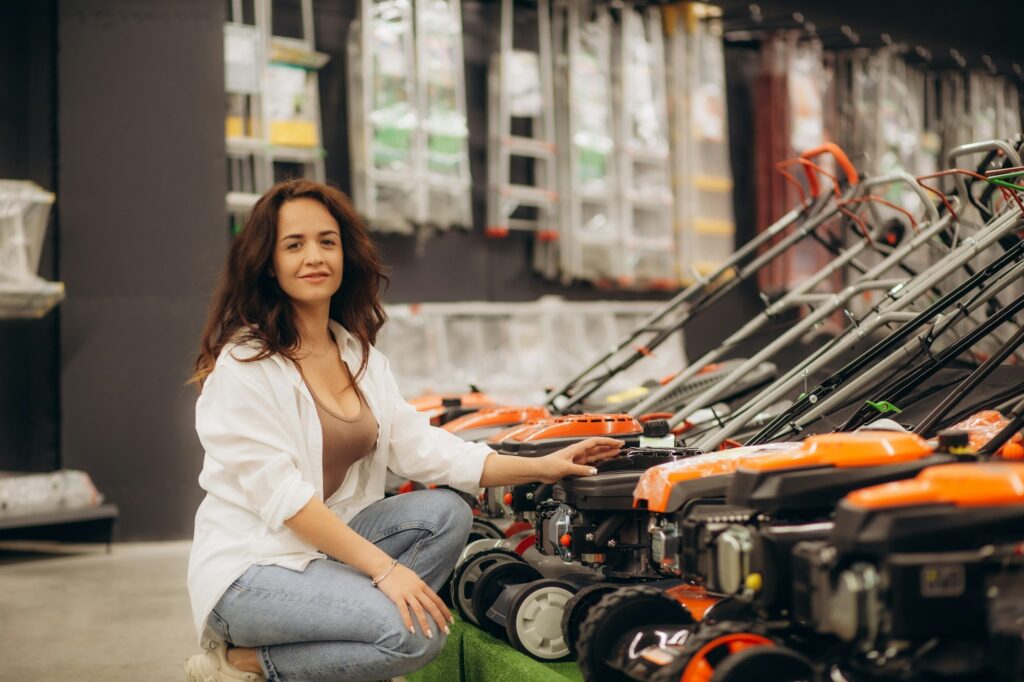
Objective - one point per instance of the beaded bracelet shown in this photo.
(376, 581)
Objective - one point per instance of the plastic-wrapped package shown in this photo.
(590, 235)
(982, 426)
(291, 110)
(383, 117)
(705, 226)
(513, 351)
(409, 138)
(24, 215)
(23, 494)
(445, 134)
(647, 258)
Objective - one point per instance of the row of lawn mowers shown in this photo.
(855, 513)
(860, 555)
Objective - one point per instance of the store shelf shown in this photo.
(297, 154)
(294, 52)
(241, 202)
(95, 524)
(31, 303)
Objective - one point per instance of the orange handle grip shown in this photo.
(840, 156)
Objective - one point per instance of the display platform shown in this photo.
(472, 655)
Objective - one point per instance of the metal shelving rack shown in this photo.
(262, 134)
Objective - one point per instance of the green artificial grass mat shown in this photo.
(472, 655)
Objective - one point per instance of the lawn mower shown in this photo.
(732, 534)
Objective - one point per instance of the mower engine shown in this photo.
(923, 577)
(592, 521)
(542, 438)
(743, 549)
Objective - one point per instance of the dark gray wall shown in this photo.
(142, 235)
(29, 385)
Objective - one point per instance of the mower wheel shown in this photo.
(534, 624)
(735, 651)
(616, 614)
(577, 608)
(492, 582)
(464, 581)
(477, 546)
(777, 663)
(482, 529)
(471, 548)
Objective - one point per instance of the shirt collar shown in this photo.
(347, 343)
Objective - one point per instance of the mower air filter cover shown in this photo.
(827, 467)
(666, 487)
(945, 508)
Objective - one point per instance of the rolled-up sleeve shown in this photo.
(427, 454)
(244, 433)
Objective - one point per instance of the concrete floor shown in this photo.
(79, 613)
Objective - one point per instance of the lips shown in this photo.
(316, 276)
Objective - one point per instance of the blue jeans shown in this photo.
(327, 622)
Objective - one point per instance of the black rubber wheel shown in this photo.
(482, 529)
(535, 620)
(776, 663)
(490, 585)
(577, 608)
(715, 644)
(468, 573)
(614, 615)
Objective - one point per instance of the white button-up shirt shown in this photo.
(264, 462)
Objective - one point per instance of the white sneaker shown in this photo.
(213, 666)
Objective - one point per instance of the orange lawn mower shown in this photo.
(738, 545)
(539, 438)
(530, 613)
(443, 408)
(919, 579)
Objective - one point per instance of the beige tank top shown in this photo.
(346, 439)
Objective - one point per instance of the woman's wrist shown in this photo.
(376, 581)
(540, 471)
(379, 564)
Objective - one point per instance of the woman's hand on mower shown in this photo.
(412, 596)
(577, 459)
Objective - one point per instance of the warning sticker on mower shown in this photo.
(944, 580)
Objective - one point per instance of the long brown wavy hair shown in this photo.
(250, 306)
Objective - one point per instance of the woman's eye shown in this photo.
(292, 246)
(329, 242)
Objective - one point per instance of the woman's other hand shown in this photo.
(577, 459)
(413, 597)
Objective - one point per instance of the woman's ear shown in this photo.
(270, 271)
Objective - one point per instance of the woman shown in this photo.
(300, 568)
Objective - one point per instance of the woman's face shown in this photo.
(308, 258)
